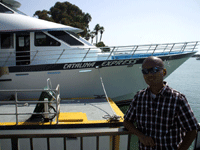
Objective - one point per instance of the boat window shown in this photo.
(42, 39)
(7, 41)
(5, 10)
(65, 37)
(85, 41)
(80, 38)
(19, 12)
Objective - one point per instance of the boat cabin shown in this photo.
(21, 42)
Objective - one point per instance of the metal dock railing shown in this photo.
(63, 134)
(17, 102)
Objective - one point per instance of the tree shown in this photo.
(45, 15)
(67, 14)
(96, 30)
(87, 36)
(102, 47)
(92, 35)
(101, 31)
(100, 44)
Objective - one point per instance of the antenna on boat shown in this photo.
(113, 117)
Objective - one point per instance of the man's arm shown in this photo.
(145, 140)
(187, 140)
(187, 121)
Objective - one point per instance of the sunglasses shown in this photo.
(151, 70)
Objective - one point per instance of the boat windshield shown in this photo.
(85, 41)
(19, 12)
(80, 38)
(66, 37)
(3, 9)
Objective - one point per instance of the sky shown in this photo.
(133, 22)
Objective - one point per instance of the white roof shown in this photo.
(17, 22)
(13, 22)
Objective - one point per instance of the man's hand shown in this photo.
(146, 141)
(187, 140)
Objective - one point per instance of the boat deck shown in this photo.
(72, 111)
(80, 122)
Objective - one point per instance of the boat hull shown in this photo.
(121, 79)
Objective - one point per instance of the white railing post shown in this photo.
(165, 48)
(171, 48)
(110, 53)
(85, 55)
(183, 47)
(135, 50)
(46, 108)
(60, 56)
(16, 108)
(34, 56)
(155, 49)
(149, 48)
(195, 46)
(57, 102)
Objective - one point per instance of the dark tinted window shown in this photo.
(65, 37)
(4, 10)
(42, 39)
(7, 41)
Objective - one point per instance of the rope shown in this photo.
(113, 117)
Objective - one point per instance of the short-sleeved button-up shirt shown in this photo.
(165, 118)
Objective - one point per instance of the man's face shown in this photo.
(153, 79)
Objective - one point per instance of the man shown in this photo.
(163, 116)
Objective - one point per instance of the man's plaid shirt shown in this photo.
(165, 118)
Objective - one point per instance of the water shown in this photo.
(185, 79)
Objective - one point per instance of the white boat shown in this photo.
(198, 58)
(78, 124)
(33, 50)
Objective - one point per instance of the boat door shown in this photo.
(23, 48)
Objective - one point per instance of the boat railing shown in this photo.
(81, 54)
(119, 137)
(47, 136)
(46, 102)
